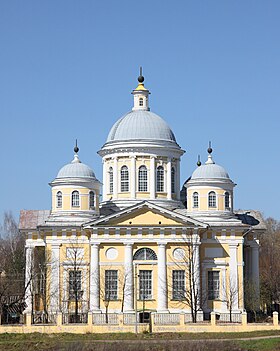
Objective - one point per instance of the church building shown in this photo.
(148, 247)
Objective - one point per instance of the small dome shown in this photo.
(76, 169)
(210, 170)
(140, 124)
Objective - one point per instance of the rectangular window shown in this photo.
(111, 285)
(75, 284)
(178, 285)
(145, 285)
(213, 285)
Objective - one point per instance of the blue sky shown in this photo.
(67, 69)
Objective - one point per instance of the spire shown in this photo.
(76, 150)
(209, 150)
(141, 95)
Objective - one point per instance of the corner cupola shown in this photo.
(209, 190)
(75, 190)
(141, 95)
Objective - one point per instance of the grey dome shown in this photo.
(210, 170)
(140, 124)
(76, 169)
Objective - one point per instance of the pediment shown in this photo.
(146, 214)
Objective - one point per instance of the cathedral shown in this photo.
(148, 247)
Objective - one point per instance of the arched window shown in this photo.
(140, 101)
(111, 179)
(212, 199)
(59, 199)
(173, 180)
(145, 254)
(227, 201)
(195, 200)
(75, 199)
(160, 179)
(124, 179)
(142, 179)
(91, 200)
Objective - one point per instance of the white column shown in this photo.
(233, 276)
(94, 295)
(152, 177)
(224, 289)
(255, 268)
(128, 278)
(133, 177)
(115, 178)
(104, 180)
(162, 279)
(28, 277)
(54, 281)
(196, 269)
(178, 185)
(168, 180)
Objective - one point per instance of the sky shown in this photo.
(67, 69)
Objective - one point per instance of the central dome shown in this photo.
(140, 124)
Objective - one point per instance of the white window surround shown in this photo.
(195, 200)
(59, 199)
(212, 199)
(145, 285)
(91, 200)
(227, 200)
(124, 179)
(75, 198)
(160, 179)
(111, 180)
(142, 179)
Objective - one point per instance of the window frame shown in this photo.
(145, 254)
(142, 179)
(178, 285)
(195, 200)
(160, 186)
(145, 285)
(75, 199)
(124, 179)
(111, 284)
(75, 291)
(212, 199)
(141, 102)
(91, 200)
(213, 284)
(227, 200)
(173, 180)
(59, 199)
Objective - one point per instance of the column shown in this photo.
(255, 268)
(94, 295)
(152, 177)
(196, 269)
(104, 180)
(133, 177)
(54, 281)
(162, 279)
(168, 180)
(178, 185)
(115, 178)
(128, 278)
(224, 290)
(233, 276)
(28, 277)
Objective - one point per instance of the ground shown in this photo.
(256, 341)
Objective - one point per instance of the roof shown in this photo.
(251, 217)
(30, 219)
(140, 124)
(210, 170)
(76, 169)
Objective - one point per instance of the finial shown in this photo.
(209, 150)
(140, 78)
(76, 149)
(198, 161)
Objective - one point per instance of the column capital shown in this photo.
(129, 243)
(94, 244)
(161, 244)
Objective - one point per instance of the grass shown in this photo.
(140, 342)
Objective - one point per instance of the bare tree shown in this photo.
(230, 294)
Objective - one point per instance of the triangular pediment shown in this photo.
(146, 214)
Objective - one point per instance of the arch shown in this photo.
(212, 199)
(227, 200)
(91, 200)
(173, 180)
(124, 179)
(195, 199)
(160, 179)
(75, 199)
(145, 254)
(59, 199)
(111, 180)
(142, 178)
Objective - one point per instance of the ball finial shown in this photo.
(140, 78)
(198, 161)
(76, 149)
(209, 150)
